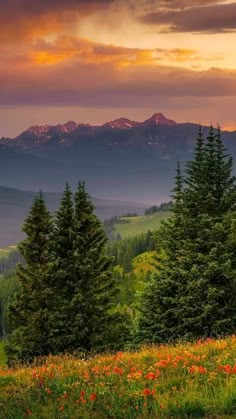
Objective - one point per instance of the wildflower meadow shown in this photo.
(183, 381)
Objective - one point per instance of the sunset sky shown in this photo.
(96, 60)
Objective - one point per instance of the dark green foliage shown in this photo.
(130, 214)
(62, 273)
(67, 297)
(166, 206)
(193, 293)
(29, 314)
(9, 285)
(96, 288)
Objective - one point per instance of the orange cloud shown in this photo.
(85, 83)
(24, 20)
(229, 126)
(68, 49)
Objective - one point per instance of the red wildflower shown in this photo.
(150, 376)
(93, 396)
(146, 391)
(228, 369)
(118, 371)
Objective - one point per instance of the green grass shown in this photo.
(140, 224)
(3, 358)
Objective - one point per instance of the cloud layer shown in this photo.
(47, 61)
(193, 16)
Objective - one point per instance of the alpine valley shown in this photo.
(122, 159)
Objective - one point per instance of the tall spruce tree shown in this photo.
(97, 324)
(193, 292)
(195, 173)
(30, 312)
(64, 278)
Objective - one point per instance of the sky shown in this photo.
(97, 60)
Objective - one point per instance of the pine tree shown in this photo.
(195, 179)
(225, 188)
(30, 312)
(193, 292)
(94, 296)
(64, 278)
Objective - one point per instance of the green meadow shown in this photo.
(140, 224)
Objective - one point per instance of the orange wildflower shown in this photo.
(197, 369)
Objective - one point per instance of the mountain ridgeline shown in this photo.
(122, 159)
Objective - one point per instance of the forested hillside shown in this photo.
(76, 292)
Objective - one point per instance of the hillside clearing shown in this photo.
(140, 224)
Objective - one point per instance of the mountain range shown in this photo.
(121, 159)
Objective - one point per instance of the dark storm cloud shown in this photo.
(181, 17)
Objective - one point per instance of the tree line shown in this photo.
(165, 206)
(67, 296)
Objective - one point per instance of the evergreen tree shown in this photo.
(63, 275)
(195, 179)
(225, 188)
(97, 324)
(29, 313)
(193, 293)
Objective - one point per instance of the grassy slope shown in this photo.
(182, 381)
(141, 224)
